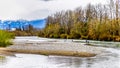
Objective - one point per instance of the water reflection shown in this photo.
(62, 61)
(107, 60)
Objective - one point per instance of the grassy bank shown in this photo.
(5, 38)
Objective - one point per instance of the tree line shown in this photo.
(25, 31)
(95, 22)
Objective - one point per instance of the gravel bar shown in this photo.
(53, 47)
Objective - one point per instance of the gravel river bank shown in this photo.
(106, 57)
(35, 45)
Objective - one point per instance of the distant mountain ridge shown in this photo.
(9, 24)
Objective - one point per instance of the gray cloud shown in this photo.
(37, 14)
(36, 9)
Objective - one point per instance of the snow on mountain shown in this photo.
(8, 24)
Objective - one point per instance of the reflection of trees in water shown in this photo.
(73, 62)
(2, 60)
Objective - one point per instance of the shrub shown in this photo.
(64, 36)
(117, 38)
(54, 36)
(84, 37)
(69, 37)
(75, 36)
(5, 38)
(51, 36)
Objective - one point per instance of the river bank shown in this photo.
(35, 45)
(6, 52)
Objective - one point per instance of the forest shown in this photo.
(94, 22)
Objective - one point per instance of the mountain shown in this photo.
(9, 24)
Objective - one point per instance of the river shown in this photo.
(109, 59)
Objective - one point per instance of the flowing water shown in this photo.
(108, 59)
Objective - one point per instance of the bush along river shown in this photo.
(109, 59)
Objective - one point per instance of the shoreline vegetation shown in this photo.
(6, 38)
(95, 22)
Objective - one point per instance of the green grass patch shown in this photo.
(5, 38)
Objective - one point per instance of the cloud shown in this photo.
(9, 9)
(37, 14)
(34, 9)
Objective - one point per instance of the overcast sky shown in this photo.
(38, 9)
